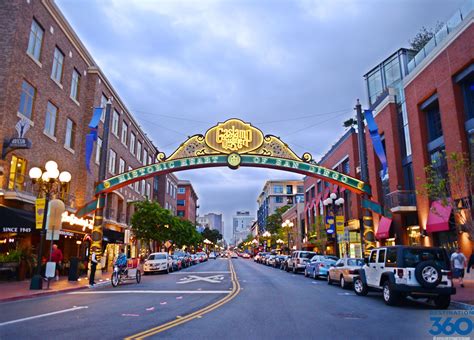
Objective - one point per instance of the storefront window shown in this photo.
(390, 242)
(17, 173)
(414, 236)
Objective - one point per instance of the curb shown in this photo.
(461, 305)
(50, 292)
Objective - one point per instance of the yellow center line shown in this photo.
(195, 315)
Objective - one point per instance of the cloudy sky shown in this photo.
(292, 68)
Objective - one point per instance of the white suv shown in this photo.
(400, 271)
(297, 261)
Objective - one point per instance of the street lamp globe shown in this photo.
(291, 224)
(65, 177)
(51, 165)
(45, 176)
(35, 173)
(333, 196)
(53, 173)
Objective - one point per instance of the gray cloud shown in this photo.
(205, 61)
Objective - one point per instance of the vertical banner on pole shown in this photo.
(340, 225)
(96, 245)
(369, 236)
(39, 209)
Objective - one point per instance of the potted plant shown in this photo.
(26, 259)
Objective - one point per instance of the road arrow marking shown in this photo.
(43, 315)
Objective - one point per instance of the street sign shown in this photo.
(168, 244)
(51, 235)
(50, 269)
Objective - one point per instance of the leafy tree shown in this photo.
(149, 222)
(212, 235)
(454, 189)
(274, 221)
(423, 36)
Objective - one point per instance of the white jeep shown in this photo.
(401, 271)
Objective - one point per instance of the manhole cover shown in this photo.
(350, 316)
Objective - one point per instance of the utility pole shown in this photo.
(367, 227)
(97, 231)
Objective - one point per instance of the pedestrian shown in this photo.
(57, 257)
(93, 268)
(458, 263)
(471, 262)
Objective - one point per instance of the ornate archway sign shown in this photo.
(232, 143)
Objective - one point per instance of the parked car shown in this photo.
(212, 256)
(246, 256)
(400, 271)
(195, 259)
(158, 262)
(284, 262)
(318, 268)
(202, 256)
(298, 260)
(271, 260)
(260, 256)
(344, 271)
(177, 265)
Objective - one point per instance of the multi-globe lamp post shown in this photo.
(280, 242)
(49, 181)
(288, 226)
(267, 236)
(255, 244)
(333, 203)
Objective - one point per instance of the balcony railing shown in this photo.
(110, 214)
(450, 26)
(401, 201)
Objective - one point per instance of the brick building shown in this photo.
(50, 81)
(343, 157)
(165, 191)
(187, 201)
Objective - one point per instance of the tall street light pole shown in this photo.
(288, 225)
(367, 228)
(48, 181)
(334, 203)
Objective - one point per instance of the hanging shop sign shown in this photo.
(72, 219)
(20, 142)
(330, 226)
(39, 210)
(16, 230)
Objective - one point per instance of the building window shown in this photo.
(70, 134)
(103, 104)
(131, 184)
(289, 189)
(124, 133)
(145, 156)
(132, 143)
(345, 167)
(50, 122)
(467, 87)
(313, 192)
(392, 71)
(438, 161)
(137, 186)
(98, 150)
(374, 83)
(27, 99)
(58, 60)
(181, 190)
(121, 166)
(143, 187)
(112, 159)
(35, 41)
(181, 203)
(139, 151)
(278, 189)
(75, 81)
(150, 160)
(115, 123)
(433, 120)
(279, 199)
(300, 189)
(148, 190)
(167, 187)
(17, 173)
(180, 213)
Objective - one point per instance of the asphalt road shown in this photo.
(264, 303)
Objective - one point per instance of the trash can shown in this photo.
(73, 269)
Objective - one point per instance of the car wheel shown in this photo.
(428, 274)
(390, 297)
(314, 274)
(294, 270)
(442, 301)
(167, 270)
(305, 273)
(359, 287)
(329, 280)
(343, 282)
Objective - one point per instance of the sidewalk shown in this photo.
(18, 290)
(466, 294)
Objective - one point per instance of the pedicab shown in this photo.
(128, 273)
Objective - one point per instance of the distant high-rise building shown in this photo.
(241, 224)
(212, 221)
(276, 194)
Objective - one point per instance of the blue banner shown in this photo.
(376, 141)
(92, 136)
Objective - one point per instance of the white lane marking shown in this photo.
(152, 292)
(194, 278)
(345, 294)
(43, 315)
(185, 273)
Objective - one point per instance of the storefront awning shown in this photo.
(112, 236)
(383, 231)
(438, 218)
(16, 220)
